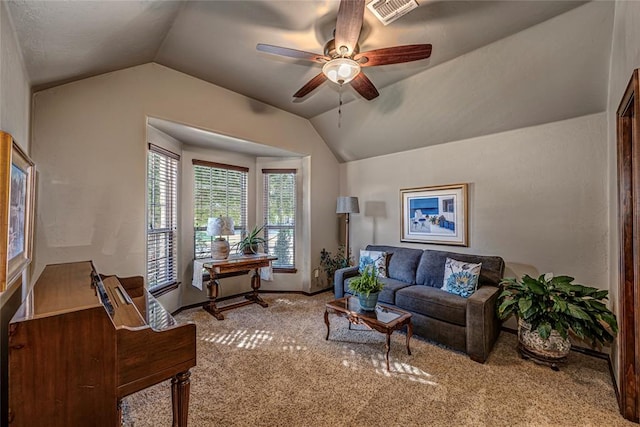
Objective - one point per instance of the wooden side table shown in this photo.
(234, 264)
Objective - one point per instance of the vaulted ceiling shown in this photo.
(495, 66)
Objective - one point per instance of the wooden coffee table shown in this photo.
(384, 319)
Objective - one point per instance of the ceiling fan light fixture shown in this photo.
(341, 70)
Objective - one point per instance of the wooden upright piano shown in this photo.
(81, 342)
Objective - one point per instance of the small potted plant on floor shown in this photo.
(549, 307)
(330, 263)
(367, 287)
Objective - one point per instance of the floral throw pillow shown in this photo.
(461, 278)
(375, 258)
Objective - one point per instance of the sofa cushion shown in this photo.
(375, 258)
(430, 270)
(403, 262)
(388, 293)
(434, 303)
(460, 278)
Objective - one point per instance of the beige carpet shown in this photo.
(273, 367)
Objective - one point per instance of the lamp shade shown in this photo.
(221, 226)
(341, 70)
(347, 205)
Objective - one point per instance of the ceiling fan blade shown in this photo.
(364, 87)
(394, 55)
(292, 53)
(310, 86)
(349, 24)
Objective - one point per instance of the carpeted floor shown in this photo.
(273, 367)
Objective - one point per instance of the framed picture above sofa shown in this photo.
(436, 214)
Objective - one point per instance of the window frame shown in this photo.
(172, 230)
(240, 227)
(265, 214)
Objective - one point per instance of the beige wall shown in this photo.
(537, 196)
(15, 107)
(625, 57)
(89, 143)
(15, 91)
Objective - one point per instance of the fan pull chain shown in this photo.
(339, 105)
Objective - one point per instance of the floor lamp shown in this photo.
(347, 205)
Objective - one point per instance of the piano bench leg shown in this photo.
(180, 385)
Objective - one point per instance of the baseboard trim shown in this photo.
(199, 304)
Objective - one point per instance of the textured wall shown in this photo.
(15, 94)
(89, 142)
(537, 196)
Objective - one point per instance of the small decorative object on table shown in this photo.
(548, 308)
(367, 287)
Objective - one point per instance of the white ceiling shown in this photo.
(63, 41)
(190, 135)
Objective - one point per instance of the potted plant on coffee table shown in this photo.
(549, 308)
(367, 287)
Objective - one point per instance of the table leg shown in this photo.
(409, 335)
(326, 321)
(180, 385)
(255, 285)
(388, 347)
(210, 306)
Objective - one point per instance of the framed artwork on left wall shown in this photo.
(17, 190)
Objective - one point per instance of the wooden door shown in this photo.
(629, 234)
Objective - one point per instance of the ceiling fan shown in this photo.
(342, 60)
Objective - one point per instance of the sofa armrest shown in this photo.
(483, 325)
(340, 276)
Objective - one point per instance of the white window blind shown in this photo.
(280, 215)
(162, 217)
(219, 190)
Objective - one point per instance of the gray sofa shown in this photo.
(413, 284)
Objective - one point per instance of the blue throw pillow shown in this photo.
(461, 278)
(377, 259)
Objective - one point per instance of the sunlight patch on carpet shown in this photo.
(290, 344)
(241, 338)
(285, 301)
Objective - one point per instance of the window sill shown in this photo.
(285, 270)
(164, 289)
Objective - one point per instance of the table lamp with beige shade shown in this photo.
(221, 226)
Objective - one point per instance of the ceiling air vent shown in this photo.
(388, 11)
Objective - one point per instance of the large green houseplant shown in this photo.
(367, 287)
(551, 307)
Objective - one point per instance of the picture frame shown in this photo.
(17, 191)
(435, 214)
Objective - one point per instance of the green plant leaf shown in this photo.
(559, 304)
(601, 294)
(610, 320)
(544, 330)
(557, 280)
(524, 305)
(533, 285)
(504, 294)
(577, 312)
